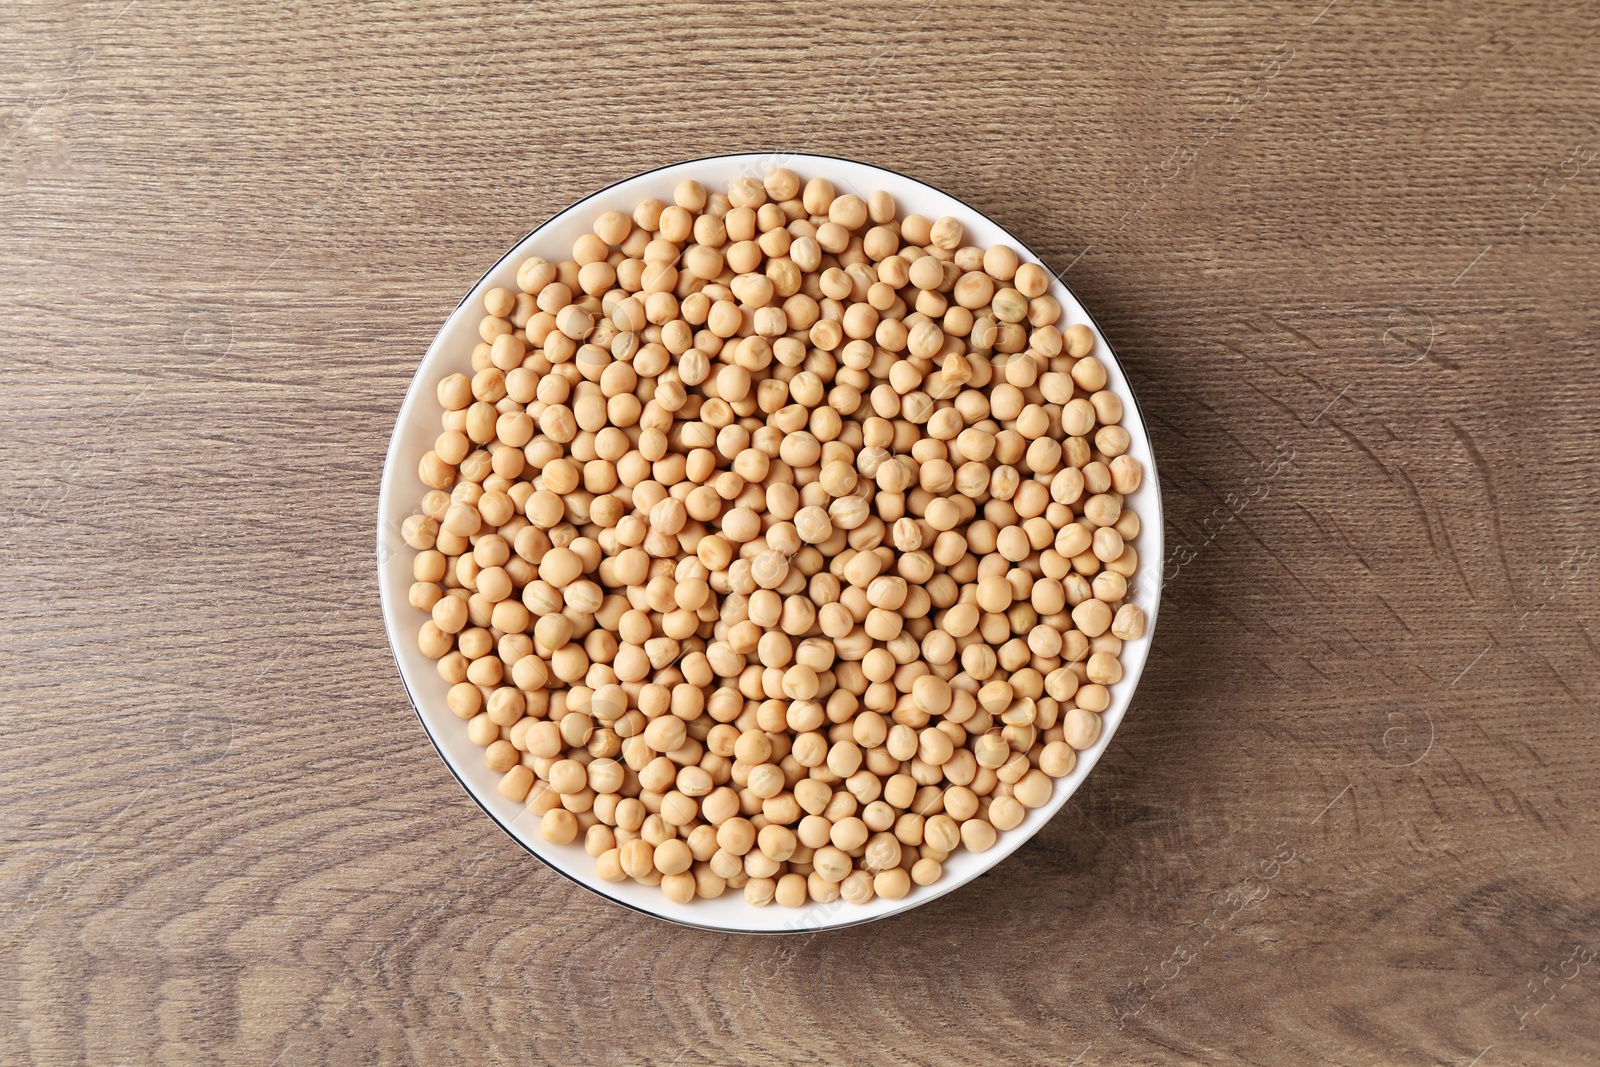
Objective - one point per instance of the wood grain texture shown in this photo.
(1348, 256)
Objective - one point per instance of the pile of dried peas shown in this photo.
(777, 543)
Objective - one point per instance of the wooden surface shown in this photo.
(1349, 259)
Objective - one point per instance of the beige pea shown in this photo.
(926, 273)
(485, 733)
(978, 835)
(902, 742)
(543, 740)
(1057, 759)
(1127, 474)
(961, 619)
(1000, 262)
(996, 696)
(844, 758)
(1093, 617)
(608, 866)
(1089, 373)
(943, 515)
(992, 750)
(1110, 587)
(1007, 812)
(753, 747)
(424, 595)
(1012, 542)
(1129, 622)
(736, 836)
(1107, 544)
(942, 832)
(1101, 509)
(813, 829)
(420, 531)
(535, 273)
(849, 833)
(1112, 441)
(1009, 306)
(679, 887)
(558, 826)
(462, 520)
(672, 857)
(932, 695)
(994, 594)
(1127, 563)
(1033, 789)
(934, 747)
(568, 776)
(925, 340)
(720, 805)
(777, 842)
(813, 525)
(450, 615)
(781, 184)
(605, 775)
(833, 864)
(665, 734)
(1091, 696)
(974, 289)
(1108, 408)
(1079, 340)
(766, 781)
(892, 884)
(790, 891)
(1031, 280)
(464, 699)
(1104, 668)
(638, 858)
(1077, 417)
(1080, 728)
(946, 233)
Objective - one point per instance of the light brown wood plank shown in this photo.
(1363, 238)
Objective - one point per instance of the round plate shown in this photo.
(401, 491)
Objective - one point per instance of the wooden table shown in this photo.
(1349, 259)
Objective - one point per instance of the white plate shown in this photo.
(401, 490)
